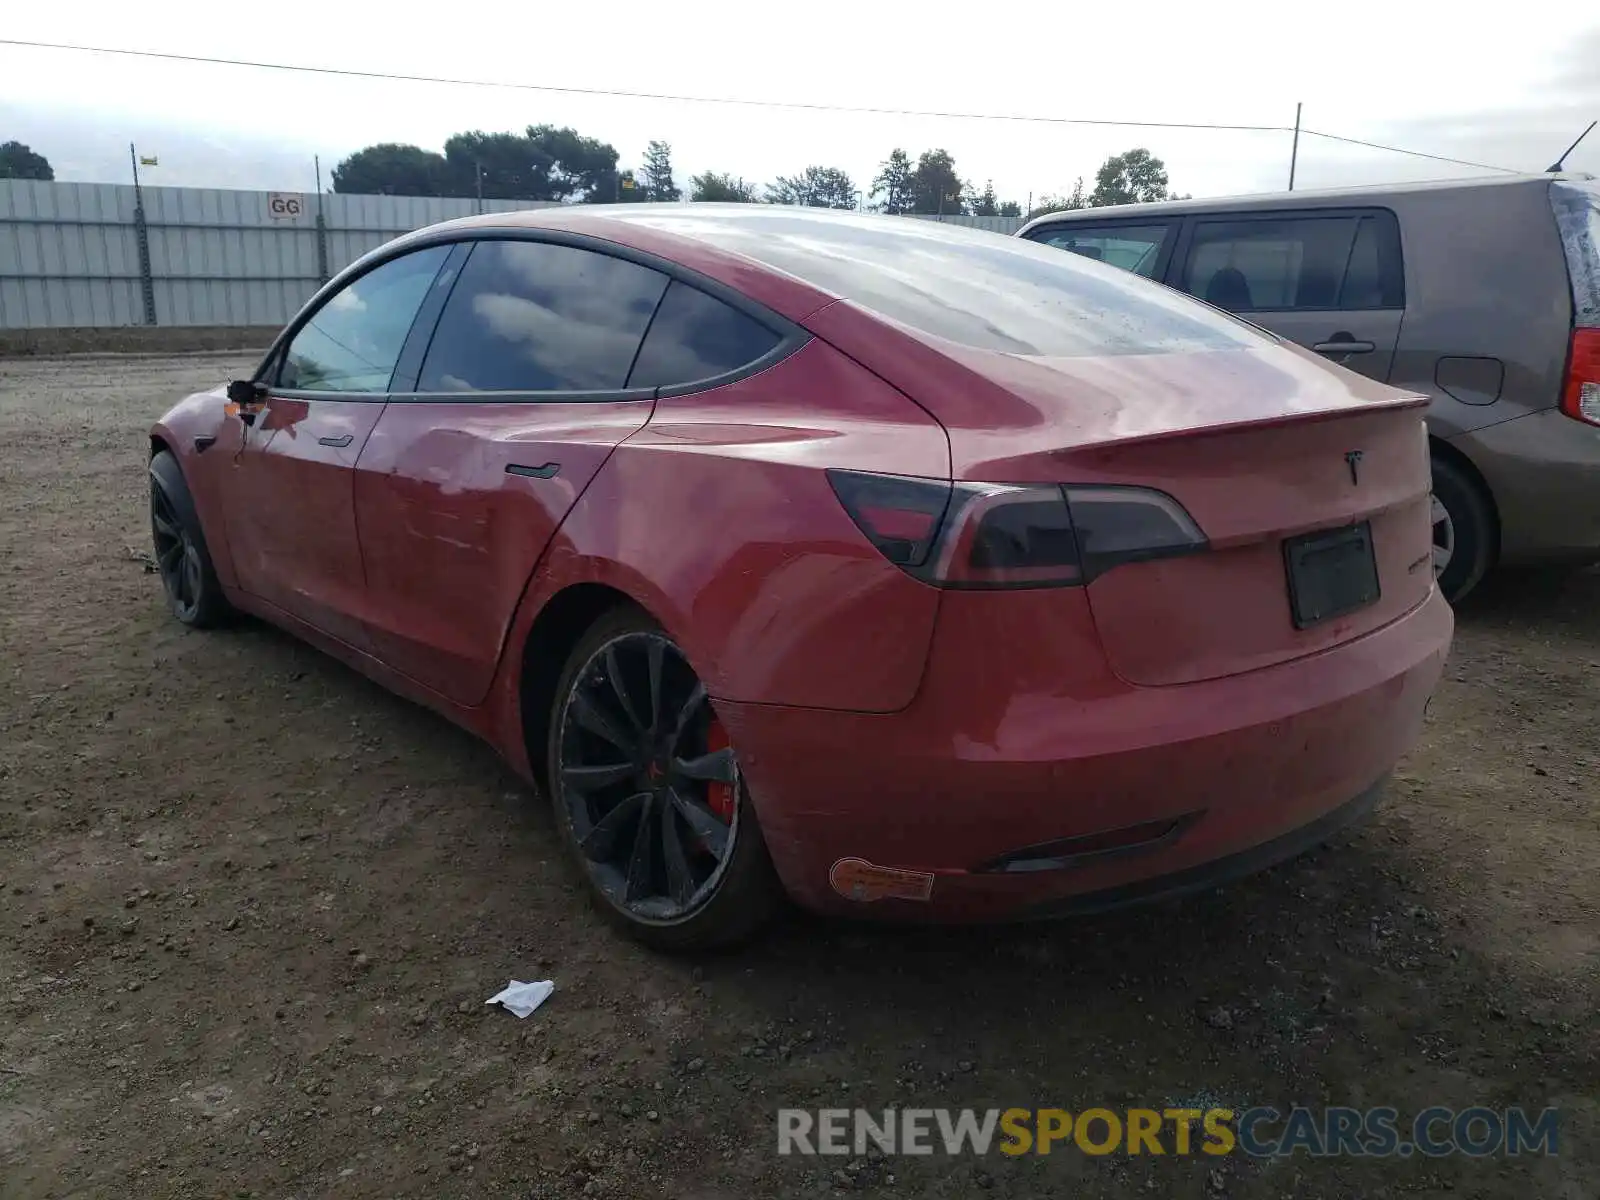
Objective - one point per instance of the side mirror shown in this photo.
(246, 391)
(244, 399)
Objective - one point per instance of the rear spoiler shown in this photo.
(1397, 403)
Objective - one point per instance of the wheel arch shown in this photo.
(200, 484)
(563, 619)
(1442, 449)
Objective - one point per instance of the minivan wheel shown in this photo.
(648, 793)
(1463, 531)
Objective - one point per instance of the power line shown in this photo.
(804, 106)
(1460, 162)
(581, 91)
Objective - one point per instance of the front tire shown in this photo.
(1463, 530)
(649, 796)
(182, 559)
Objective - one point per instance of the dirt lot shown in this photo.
(252, 906)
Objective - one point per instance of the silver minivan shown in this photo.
(1482, 293)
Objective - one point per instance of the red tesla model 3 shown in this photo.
(901, 568)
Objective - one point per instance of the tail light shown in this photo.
(1581, 397)
(995, 535)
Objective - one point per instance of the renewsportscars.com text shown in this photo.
(1260, 1132)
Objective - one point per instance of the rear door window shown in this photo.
(1341, 262)
(541, 317)
(695, 337)
(1136, 248)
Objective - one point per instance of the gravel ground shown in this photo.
(252, 906)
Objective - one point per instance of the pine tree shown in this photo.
(893, 184)
(655, 177)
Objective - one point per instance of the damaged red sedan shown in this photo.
(900, 568)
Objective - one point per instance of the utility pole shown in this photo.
(477, 172)
(322, 224)
(141, 235)
(1294, 152)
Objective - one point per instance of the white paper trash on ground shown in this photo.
(522, 998)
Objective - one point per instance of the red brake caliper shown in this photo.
(719, 796)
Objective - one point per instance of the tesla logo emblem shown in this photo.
(1352, 459)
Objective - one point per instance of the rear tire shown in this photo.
(182, 559)
(1464, 530)
(648, 795)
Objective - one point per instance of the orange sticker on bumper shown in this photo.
(857, 879)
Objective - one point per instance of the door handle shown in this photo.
(1343, 343)
(338, 442)
(548, 471)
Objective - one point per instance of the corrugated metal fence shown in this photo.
(89, 255)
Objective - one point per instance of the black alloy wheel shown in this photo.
(649, 793)
(182, 560)
(177, 557)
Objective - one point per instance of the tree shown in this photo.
(985, 203)
(1010, 208)
(724, 189)
(580, 168)
(1050, 204)
(1133, 177)
(505, 165)
(893, 183)
(20, 162)
(935, 186)
(815, 187)
(655, 177)
(391, 169)
(542, 163)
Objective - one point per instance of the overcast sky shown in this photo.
(1511, 90)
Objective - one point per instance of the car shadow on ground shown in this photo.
(1561, 598)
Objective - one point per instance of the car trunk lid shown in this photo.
(1310, 483)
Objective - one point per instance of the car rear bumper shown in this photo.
(1208, 779)
(1219, 871)
(1544, 472)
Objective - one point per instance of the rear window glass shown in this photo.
(1577, 207)
(966, 286)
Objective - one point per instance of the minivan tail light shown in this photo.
(997, 535)
(1580, 398)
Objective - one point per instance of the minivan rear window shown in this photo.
(1577, 209)
(966, 286)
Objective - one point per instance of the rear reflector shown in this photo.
(1001, 535)
(1075, 851)
(1581, 397)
